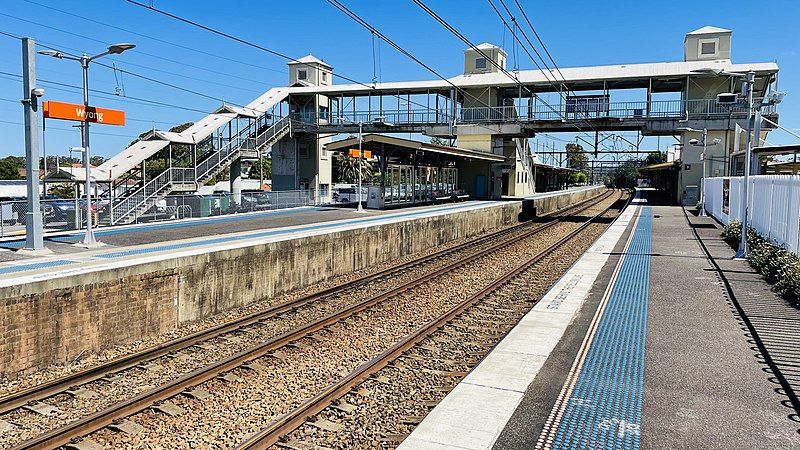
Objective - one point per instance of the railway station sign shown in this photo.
(79, 113)
(365, 153)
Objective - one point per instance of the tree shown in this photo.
(624, 176)
(255, 169)
(9, 167)
(348, 169)
(61, 190)
(655, 158)
(577, 178)
(577, 157)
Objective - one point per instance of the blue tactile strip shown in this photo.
(230, 239)
(605, 408)
(35, 266)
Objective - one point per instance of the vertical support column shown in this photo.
(649, 95)
(236, 181)
(33, 216)
(452, 121)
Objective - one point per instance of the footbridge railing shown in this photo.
(656, 109)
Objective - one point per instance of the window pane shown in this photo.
(302, 74)
(480, 63)
(708, 48)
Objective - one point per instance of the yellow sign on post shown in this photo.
(365, 153)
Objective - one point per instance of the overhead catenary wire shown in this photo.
(546, 70)
(111, 95)
(139, 51)
(258, 46)
(464, 39)
(358, 19)
(164, 41)
(144, 77)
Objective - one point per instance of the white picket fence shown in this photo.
(774, 205)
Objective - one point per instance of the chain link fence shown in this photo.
(70, 214)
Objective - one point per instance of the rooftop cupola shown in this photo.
(707, 43)
(477, 62)
(310, 71)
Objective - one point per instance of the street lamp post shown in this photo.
(88, 239)
(360, 154)
(704, 157)
(378, 121)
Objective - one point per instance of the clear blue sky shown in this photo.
(577, 33)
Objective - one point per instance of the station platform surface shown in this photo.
(138, 244)
(646, 342)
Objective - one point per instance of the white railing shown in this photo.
(774, 208)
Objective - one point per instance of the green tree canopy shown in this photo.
(577, 158)
(255, 169)
(9, 167)
(348, 169)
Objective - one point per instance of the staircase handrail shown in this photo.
(161, 179)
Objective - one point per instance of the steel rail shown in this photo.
(59, 385)
(100, 419)
(289, 422)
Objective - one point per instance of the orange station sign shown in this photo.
(78, 113)
(365, 153)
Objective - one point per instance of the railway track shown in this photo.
(289, 422)
(60, 385)
(119, 410)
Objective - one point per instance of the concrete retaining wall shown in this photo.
(54, 321)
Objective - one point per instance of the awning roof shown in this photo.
(75, 174)
(413, 145)
(572, 75)
(672, 165)
(786, 149)
(129, 158)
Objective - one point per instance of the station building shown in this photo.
(487, 110)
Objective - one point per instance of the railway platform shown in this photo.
(654, 339)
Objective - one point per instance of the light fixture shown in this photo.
(119, 48)
(53, 53)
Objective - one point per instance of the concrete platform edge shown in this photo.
(474, 413)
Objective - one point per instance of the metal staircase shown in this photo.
(127, 207)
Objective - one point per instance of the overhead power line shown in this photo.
(164, 41)
(150, 79)
(111, 95)
(256, 46)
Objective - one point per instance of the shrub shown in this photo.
(780, 267)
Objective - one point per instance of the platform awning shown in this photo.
(370, 140)
(672, 165)
(775, 150)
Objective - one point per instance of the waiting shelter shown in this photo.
(414, 172)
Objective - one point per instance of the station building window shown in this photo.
(302, 74)
(324, 77)
(480, 63)
(708, 47)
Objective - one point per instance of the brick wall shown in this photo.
(54, 321)
(58, 325)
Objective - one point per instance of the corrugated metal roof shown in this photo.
(537, 77)
(414, 145)
(128, 159)
(204, 127)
